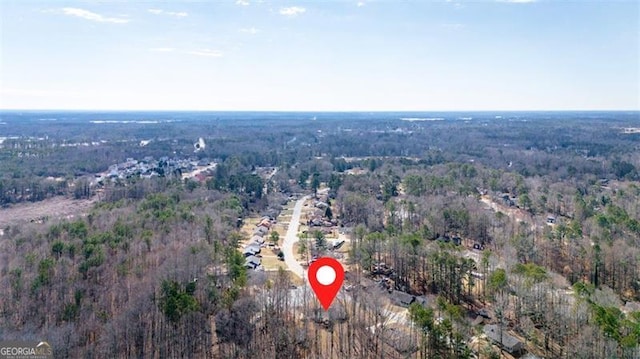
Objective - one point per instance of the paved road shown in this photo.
(291, 237)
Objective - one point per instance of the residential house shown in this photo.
(251, 249)
(402, 299)
(422, 300)
(257, 239)
(502, 338)
(252, 262)
(507, 200)
(261, 231)
(265, 222)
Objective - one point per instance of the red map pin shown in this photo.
(325, 276)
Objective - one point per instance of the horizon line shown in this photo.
(317, 111)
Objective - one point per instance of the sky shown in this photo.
(361, 55)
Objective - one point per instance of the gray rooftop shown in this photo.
(509, 342)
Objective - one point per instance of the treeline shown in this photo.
(569, 147)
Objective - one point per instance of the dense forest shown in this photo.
(526, 221)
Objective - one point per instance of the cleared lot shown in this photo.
(51, 208)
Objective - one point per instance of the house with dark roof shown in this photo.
(261, 231)
(422, 300)
(503, 339)
(508, 200)
(402, 299)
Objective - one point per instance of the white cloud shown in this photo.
(242, 2)
(170, 13)
(88, 15)
(292, 11)
(518, 1)
(457, 5)
(205, 52)
(10, 91)
(178, 14)
(360, 4)
(250, 30)
(162, 49)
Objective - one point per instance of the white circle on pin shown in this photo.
(326, 275)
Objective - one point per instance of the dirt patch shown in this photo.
(43, 211)
(514, 213)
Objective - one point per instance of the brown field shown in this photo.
(51, 208)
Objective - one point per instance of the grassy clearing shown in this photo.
(271, 263)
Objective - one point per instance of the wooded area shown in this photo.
(533, 226)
